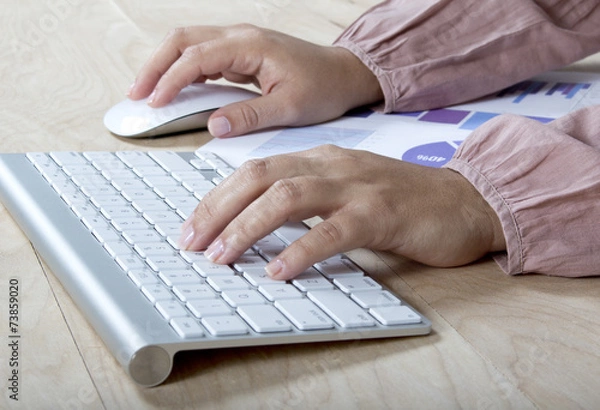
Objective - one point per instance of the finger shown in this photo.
(233, 195)
(335, 235)
(291, 199)
(167, 53)
(204, 60)
(248, 116)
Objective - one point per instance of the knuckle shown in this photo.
(254, 169)
(287, 191)
(192, 54)
(330, 232)
(204, 211)
(178, 35)
(249, 116)
(247, 30)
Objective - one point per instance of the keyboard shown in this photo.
(107, 224)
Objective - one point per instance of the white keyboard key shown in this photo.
(290, 232)
(170, 161)
(355, 284)
(179, 277)
(242, 297)
(249, 262)
(173, 192)
(169, 229)
(162, 263)
(201, 165)
(187, 292)
(130, 262)
(264, 318)
(338, 267)
(311, 280)
(156, 292)
(160, 181)
(304, 314)
(225, 325)
(75, 199)
(150, 205)
(170, 308)
(208, 307)
(149, 172)
(106, 235)
(68, 158)
(158, 248)
(343, 310)
(129, 224)
(140, 195)
(186, 327)
(375, 298)
(199, 185)
(135, 158)
(280, 291)
(159, 217)
(269, 246)
(96, 222)
(117, 248)
(258, 277)
(143, 277)
(209, 269)
(84, 210)
(223, 283)
(191, 256)
(119, 213)
(395, 315)
(141, 236)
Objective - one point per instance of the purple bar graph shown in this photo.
(445, 116)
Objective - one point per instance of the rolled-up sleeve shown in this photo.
(432, 53)
(543, 181)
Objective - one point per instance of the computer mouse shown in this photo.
(189, 110)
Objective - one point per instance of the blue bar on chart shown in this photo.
(524, 88)
(568, 90)
(477, 119)
(445, 116)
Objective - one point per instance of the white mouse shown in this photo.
(189, 110)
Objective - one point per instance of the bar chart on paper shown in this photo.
(428, 137)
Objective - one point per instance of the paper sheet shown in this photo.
(429, 137)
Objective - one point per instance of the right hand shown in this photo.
(301, 83)
(434, 216)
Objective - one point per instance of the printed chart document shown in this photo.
(427, 137)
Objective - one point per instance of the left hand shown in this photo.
(434, 216)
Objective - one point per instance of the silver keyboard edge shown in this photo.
(148, 362)
(93, 295)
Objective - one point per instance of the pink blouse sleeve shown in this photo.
(433, 53)
(543, 181)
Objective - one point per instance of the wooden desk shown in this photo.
(497, 341)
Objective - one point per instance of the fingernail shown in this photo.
(274, 268)
(219, 126)
(152, 97)
(215, 250)
(131, 87)
(187, 236)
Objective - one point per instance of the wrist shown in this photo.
(361, 86)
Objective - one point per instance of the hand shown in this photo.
(434, 216)
(301, 83)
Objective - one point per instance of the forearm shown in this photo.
(543, 181)
(432, 53)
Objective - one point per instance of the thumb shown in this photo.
(246, 116)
